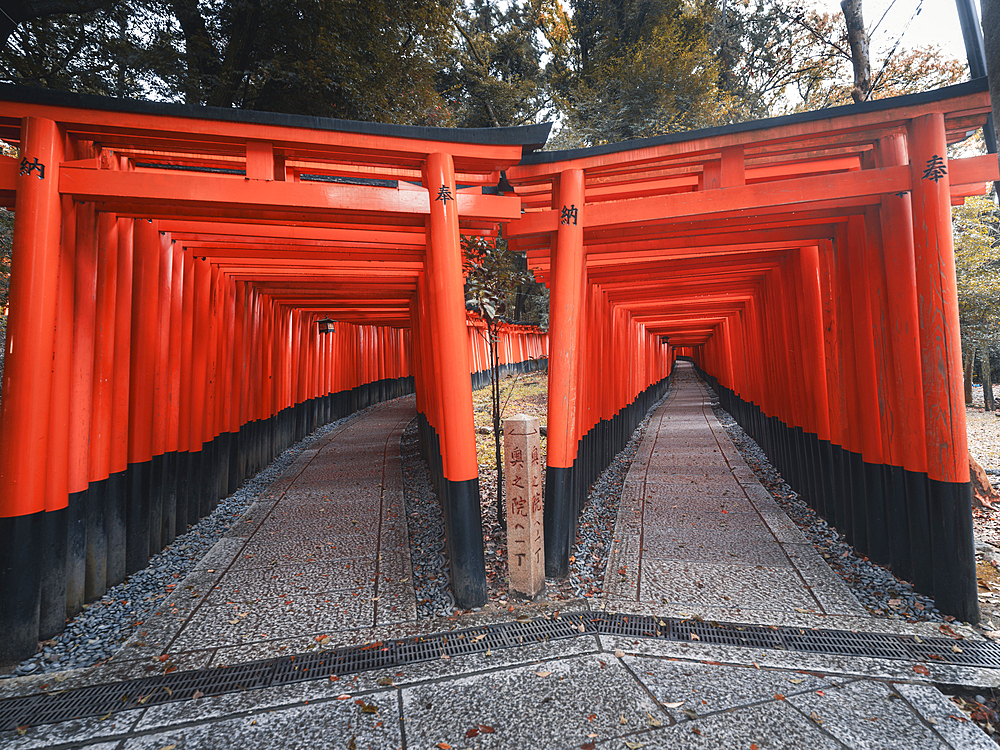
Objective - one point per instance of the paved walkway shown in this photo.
(698, 534)
(322, 560)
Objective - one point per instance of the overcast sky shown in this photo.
(937, 23)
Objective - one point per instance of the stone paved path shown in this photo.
(697, 533)
(323, 560)
(323, 552)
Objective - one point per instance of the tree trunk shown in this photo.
(991, 42)
(986, 376)
(238, 54)
(858, 39)
(969, 359)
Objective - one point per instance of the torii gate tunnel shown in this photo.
(172, 266)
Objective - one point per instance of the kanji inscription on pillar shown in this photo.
(523, 470)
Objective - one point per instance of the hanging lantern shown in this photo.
(325, 325)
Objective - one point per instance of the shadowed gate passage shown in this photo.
(172, 265)
(700, 535)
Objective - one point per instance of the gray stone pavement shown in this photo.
(322, 561)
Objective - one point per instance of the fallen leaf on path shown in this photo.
(486, 729)
(921, 669)
(815, 717)
(543, 674)
(795, 680)
(474, 732)
(384, 681)
(653, 721)
(619, 653)
(622, 719)
(443, 746)
(678, 704)
(695, 637)
(634, 745)
(198, 694)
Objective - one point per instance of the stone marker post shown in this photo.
(523, 469)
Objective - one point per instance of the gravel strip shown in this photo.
(590, 553)
(878, 590)
(425, 523)
(104, 625)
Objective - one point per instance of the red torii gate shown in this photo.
(172, 265)
(779, 255)
(806, 264)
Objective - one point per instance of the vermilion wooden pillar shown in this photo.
(172, 467)
(80, 501)
(159, 514)
(115, 518)
(101, 424)
(867, 394)
(904, 329)
(458, 440)
(565, 318)
(27, 383)
(949, 488)
(144, 351)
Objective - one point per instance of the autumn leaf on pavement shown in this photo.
(587, 746)
(921, 669)
(678, 704)
(634, 745)
(486, 729)
(443, 746)
(543, 674)
(474, 732)
(653, 721)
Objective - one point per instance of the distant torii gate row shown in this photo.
(196, 249)
(806, 264)
(171, 267)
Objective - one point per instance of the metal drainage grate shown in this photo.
(101, 700)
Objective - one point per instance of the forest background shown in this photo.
(602, 70)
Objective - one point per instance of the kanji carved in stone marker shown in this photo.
(523, 469)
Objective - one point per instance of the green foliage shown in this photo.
(643, 68)
(496, 78)
(492, 275)
(977, 264)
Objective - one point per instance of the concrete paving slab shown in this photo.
(947, 723)
(713, 584)
(244, 622)
(768, 727)
(530, 707)
(707, 689)
(331, 723)
(77, 732)
(249, 584)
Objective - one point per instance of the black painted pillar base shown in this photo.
(76, 551)
(20, 587)
(465, 542)
(155, 505)
(878, 524)
(955, 590)
(137, 517)
(919, 520)
(114, 526)
(169, 489)
(96, 574)
(52, 561)
(557, 520)
(899, 522)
